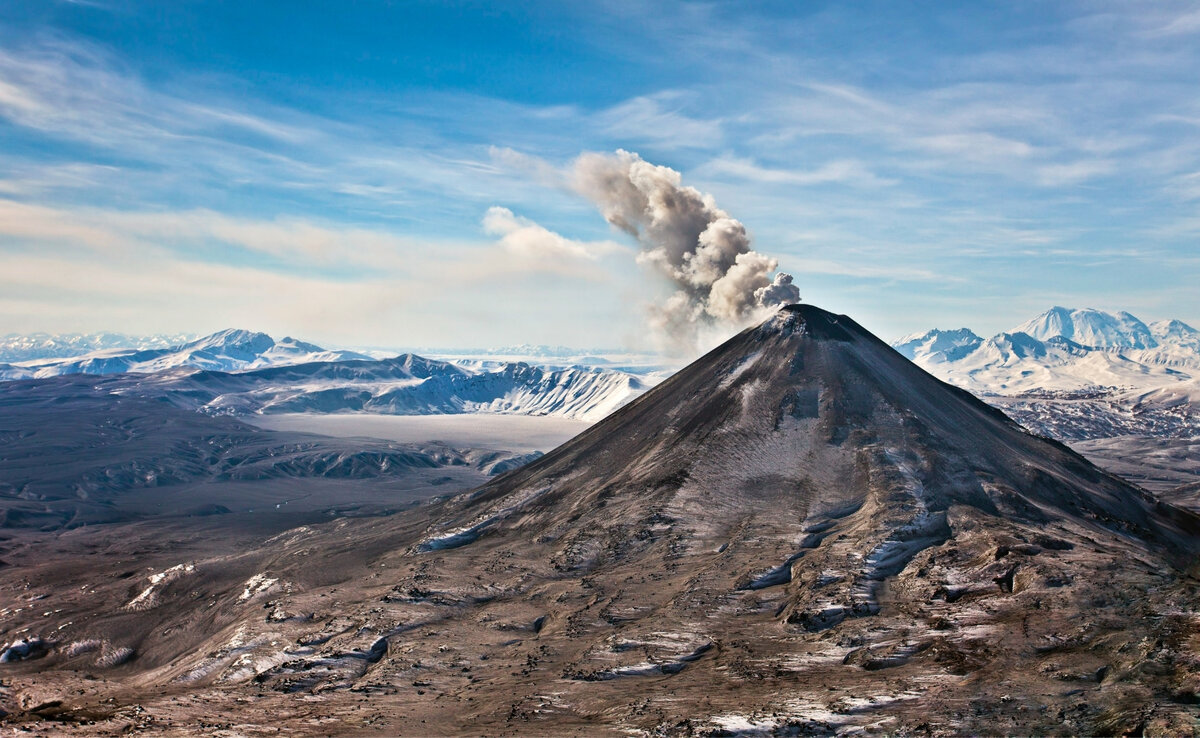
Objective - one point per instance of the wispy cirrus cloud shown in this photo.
(659, 119)
(1006, 156)
(841, 171)
(301, 246)
(1052, 175)
(76, 91)
(1164, 23)
(159, 269)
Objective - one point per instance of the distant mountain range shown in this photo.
(1070, 374)
(404, 385)
(238, 372)
(1076, 374)
(1061, 349)
(228, 350)
(16, 347)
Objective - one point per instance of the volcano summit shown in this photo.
(801, 532)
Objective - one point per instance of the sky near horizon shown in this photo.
(397, 173)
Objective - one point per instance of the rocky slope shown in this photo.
(800, 533)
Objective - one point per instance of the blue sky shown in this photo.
(327, 169)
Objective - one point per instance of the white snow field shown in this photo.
(479, 430)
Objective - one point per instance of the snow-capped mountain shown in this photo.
(236, 372)
(16, 347)
(228, 350)
(529, 349)
(1076, 374)
(1176, 333)
(1061, 349)
(403, 385)
(1091, 328)
(939, 346)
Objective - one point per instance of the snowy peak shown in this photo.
(228, 350)
(1063, 349)
(1016, 345)
(236, 349)
(419, 367)
(1177, 333)
(238, 372)
(233, 339)
(1091, 328)
(289, 344)
(404, 385)
(938, 345)
(228, 347)
(538, 350)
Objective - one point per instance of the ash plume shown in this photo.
(721, 282)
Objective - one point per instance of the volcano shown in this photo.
(801, 532)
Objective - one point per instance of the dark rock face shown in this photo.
(801, 532)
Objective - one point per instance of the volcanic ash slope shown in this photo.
(801, 532)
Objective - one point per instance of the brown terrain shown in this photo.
(800, 533)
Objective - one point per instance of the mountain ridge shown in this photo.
(1050, 374)
(403, 385)
(232, 349)
(1080, 332)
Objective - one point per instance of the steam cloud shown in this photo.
(721, 282)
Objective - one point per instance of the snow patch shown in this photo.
(256, 585)
(149, 596)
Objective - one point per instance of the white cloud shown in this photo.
(537, 246)
(1183, 24)
(657, 119)
(870, 272)
(1186, 186)
(18, 99)
(293, 241)
(974, 146)
(1053, 175)
(74, 92)
(842, 171)
(154, 272)
(534, 167)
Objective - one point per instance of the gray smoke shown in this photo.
(721, 283)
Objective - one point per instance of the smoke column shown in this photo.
(721, 283)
